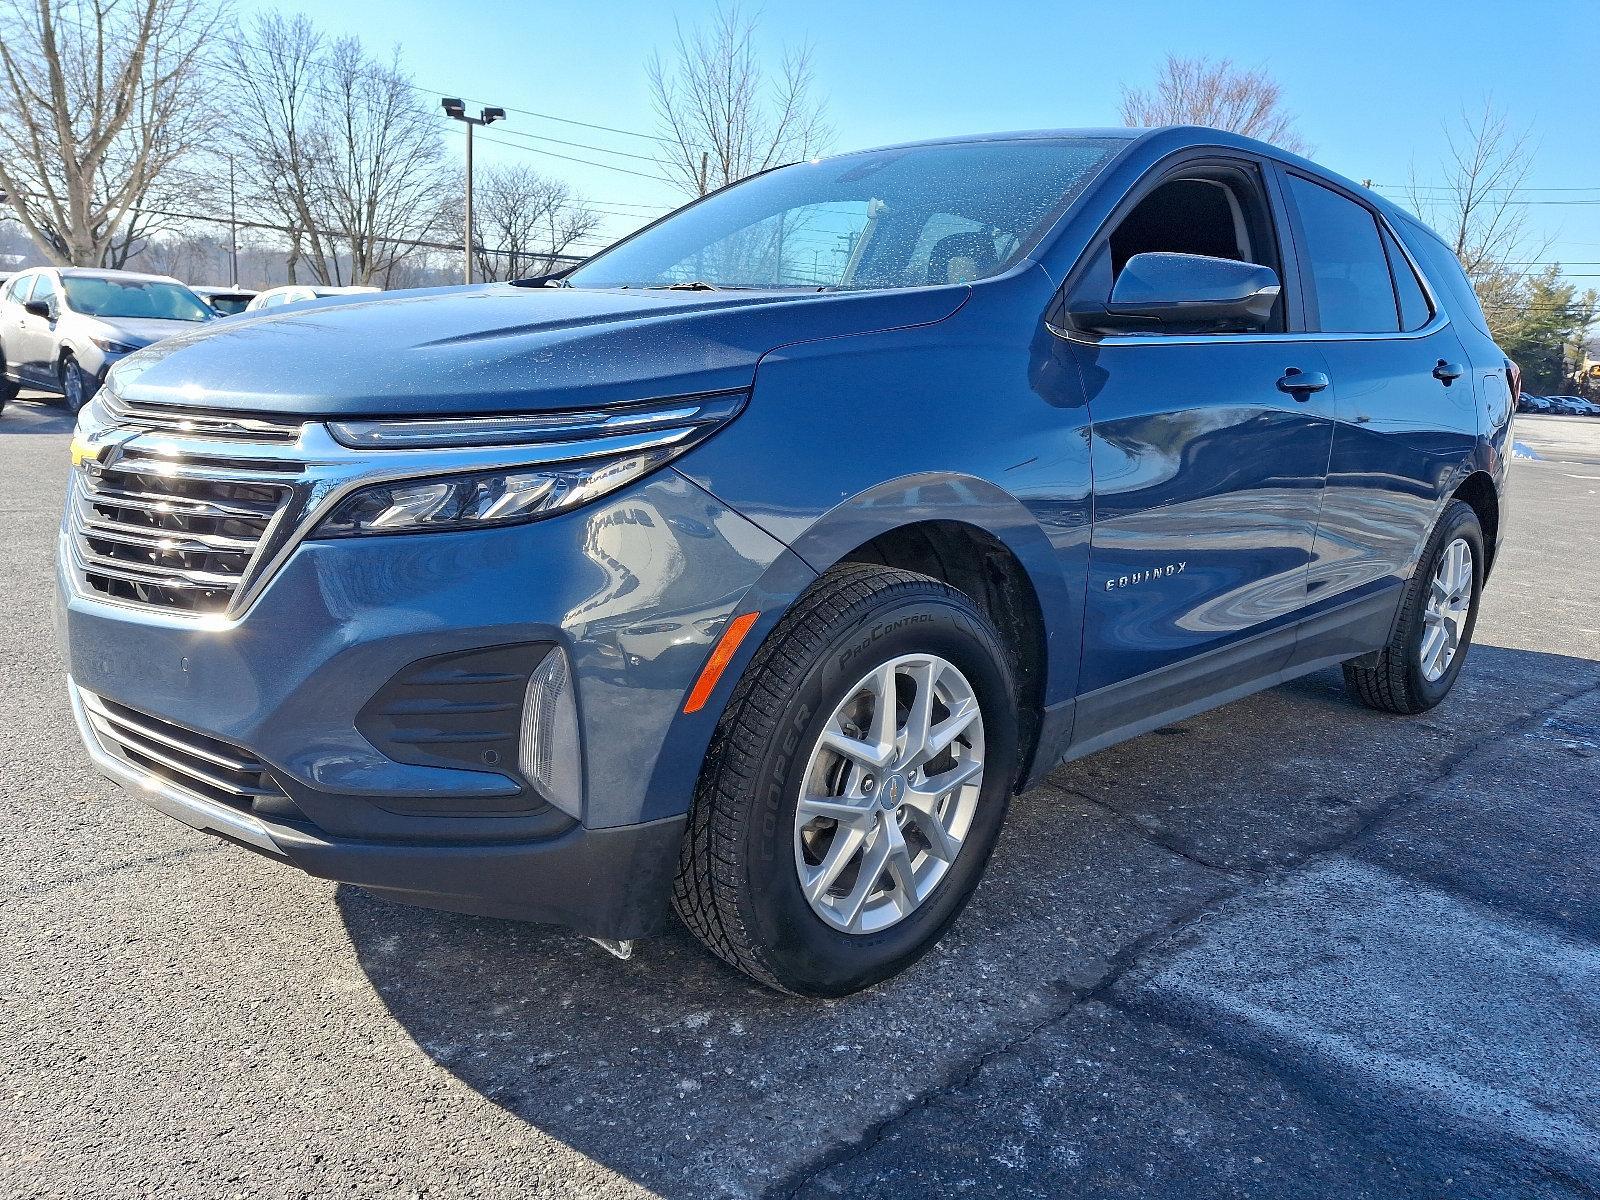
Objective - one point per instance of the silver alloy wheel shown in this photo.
(889, 793)
(1444, 621)
(72, 384)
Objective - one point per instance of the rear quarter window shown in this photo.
(1444, 272)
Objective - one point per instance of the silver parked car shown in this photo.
(62, 329)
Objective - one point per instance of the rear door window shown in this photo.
(1350, 278)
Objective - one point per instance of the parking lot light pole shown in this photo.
(456, 110)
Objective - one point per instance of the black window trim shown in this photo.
(1439, 318)
(1176, 166)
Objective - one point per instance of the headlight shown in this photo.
(481, 500)
(584, 455)
(113, 347)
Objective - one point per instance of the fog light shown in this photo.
(550, 756)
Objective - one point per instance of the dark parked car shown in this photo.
(752, 566)
(227, 301)
(62, 329)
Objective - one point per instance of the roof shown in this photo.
(107, 273)
(1167, 137)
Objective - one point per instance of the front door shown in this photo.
(1208, 480)
(1210, 454)
(38, 341)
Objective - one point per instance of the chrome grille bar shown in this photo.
(176, 418)
(180, 531)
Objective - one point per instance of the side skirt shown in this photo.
(1124, 710)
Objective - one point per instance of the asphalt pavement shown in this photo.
(1291, 947)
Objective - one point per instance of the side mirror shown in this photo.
(38, 308)
(1186, 293)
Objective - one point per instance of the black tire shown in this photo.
(737, 887)
(8, 389)
(73, 377)
(1392, 680)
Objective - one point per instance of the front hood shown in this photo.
(504, 349)
(141, 331)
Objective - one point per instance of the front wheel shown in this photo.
(855, 785)
(1438, 610)
(76, 384)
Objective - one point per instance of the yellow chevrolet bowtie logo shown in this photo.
(82, 450)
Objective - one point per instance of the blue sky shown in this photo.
(1372, 82)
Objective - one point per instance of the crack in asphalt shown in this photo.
(1157, 837)
(131, 864)
(1120, 963)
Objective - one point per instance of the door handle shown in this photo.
(1300, 384)
(1448, 372)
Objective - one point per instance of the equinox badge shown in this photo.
(1122, 581)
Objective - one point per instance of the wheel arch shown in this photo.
(1479, 492)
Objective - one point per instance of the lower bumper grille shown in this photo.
(193, 762)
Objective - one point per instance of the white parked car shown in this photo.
(300, 293)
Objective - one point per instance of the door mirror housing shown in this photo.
(39, 308)
(1185, 293)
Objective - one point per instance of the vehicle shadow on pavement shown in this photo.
(27, 417)
(674, 1071)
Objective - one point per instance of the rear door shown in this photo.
(1403, 405)
(1208, 477)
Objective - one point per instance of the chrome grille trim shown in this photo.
(171, 532)
(177, 418)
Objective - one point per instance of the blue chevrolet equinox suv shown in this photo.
(750, 567)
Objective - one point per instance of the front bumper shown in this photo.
(634, 589)
(607, 883)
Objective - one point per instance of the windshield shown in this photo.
(95, 296)
(228, 305)
(886, 219)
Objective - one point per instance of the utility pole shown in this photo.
(233, 228)
(457, 110)
(466, 237)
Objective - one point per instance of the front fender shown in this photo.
(894, 504)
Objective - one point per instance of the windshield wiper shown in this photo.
(697, 285)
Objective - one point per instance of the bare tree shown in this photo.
(522, 221)
(1200, 91)
(276, 62)
(1479, 206)
(721, 116)
(340, 148)
(103, 101)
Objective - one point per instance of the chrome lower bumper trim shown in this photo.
(195, 811)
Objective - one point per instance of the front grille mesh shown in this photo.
(198, 764)
(175, 531)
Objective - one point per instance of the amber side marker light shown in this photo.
(721, 655)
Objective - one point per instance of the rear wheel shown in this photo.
(8, 389)
(76, 384)
(855, 785)
(1418, 667)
